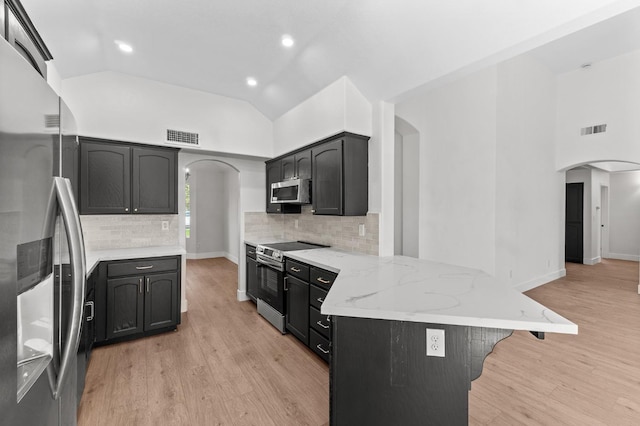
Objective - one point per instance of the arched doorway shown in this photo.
(406, 189)
(610, 202)
(212, 219)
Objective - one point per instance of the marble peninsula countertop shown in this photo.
(96, 256)
(407, 289)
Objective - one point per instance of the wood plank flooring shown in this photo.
(589, 379)
(226, 366)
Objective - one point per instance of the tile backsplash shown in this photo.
(337, 231)
(102, 232)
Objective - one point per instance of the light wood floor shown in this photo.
(227, 366)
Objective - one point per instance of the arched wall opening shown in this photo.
(406, 189)
(212, 217)
(610, 210)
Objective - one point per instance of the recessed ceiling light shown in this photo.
(125, 47)
(252, 81)
(287, 40)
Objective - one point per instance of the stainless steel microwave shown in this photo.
(292, 191)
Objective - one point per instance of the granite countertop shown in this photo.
(408, 289)
(96, 256)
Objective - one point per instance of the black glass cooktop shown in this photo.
(293, 245)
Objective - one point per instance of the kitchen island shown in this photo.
(381, 308)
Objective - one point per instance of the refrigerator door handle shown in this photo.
(69, 212)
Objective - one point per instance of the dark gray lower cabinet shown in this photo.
(137, 297)
(297, 294)
(252, 272)
(307, 288)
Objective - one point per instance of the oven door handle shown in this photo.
(275, 265)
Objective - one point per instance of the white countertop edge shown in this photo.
(564, 328)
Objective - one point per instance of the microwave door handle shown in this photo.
(69, 212)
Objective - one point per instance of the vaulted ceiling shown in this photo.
(387, 48)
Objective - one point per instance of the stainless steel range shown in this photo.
(271, 290)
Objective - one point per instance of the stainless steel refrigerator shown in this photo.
(42, 261)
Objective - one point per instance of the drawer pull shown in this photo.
(140, 268)
(319, 346)
(252, 252)
(323, 281)
(320, 299)
(321, 324)
(295, 269)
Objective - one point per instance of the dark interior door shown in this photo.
(574, 223)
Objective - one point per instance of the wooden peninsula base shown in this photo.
(381, 374)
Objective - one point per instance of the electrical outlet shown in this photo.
(435, 342)
(361, 230)
(165, 225)
(295, 223)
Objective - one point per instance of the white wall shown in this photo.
(338, 107)
(624, 204)
(606, 93)
(529, 191)
(118, 106)
(457, 127)
(232, 195)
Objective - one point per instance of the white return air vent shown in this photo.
(183, 138)
(591, 130)
(51, 121)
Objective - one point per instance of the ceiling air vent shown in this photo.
(591, 130)
(183, 138)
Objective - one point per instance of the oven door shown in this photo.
(271, 287)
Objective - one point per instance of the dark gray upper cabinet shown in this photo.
(154, 181)
(339, 171)
(20, 32)
(340, 176)
(119, 178)
(297, 165)
(274, 174)
(105, 178)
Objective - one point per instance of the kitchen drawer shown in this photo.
(142, 266)
(319, 345)
(320, 323)
(316, 296)
(322, 277)
(250, 251)
(297, 269)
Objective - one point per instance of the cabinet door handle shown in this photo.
(147, 285)
(295, 269)
(319, 346)
(90, 304)
(140, 268)
(321, 324)
(135, 210)
(320, 299)
(286, 284)
(140, 285)
(126, 209)
(323, 281)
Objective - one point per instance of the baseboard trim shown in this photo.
(592, 261)
(536, 282)
(241, 295)
(213, 254)
(620, 256)
(183, 305)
